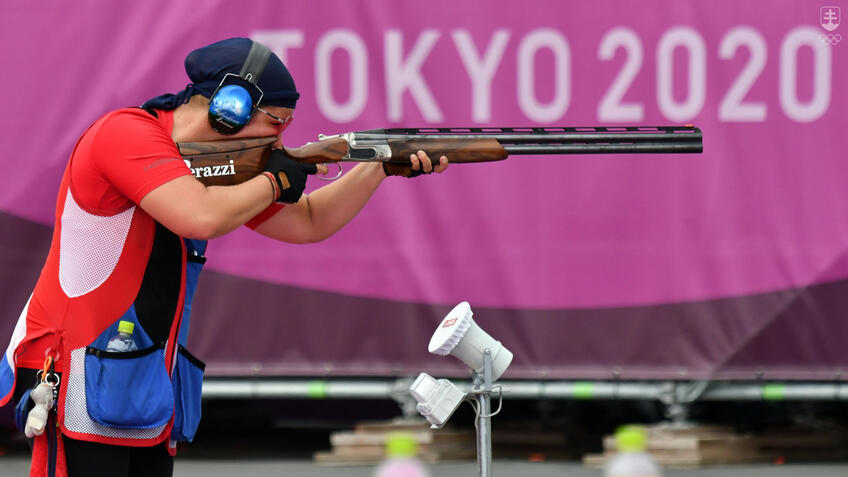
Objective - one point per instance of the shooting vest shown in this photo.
(102, 269)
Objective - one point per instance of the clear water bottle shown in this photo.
(123, 341)
(401, 460)
(632, 460)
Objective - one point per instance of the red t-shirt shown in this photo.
(124, 155)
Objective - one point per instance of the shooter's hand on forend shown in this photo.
(419, 164)
(289, 174)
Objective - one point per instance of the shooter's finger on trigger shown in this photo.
(309, 168)
(323, 169)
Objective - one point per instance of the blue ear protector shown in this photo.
(234, 101)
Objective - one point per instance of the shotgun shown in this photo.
(234, 161)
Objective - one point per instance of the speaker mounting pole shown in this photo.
(482, 390)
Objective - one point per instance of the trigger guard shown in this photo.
(328, 179)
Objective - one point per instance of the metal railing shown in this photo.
(685, 391)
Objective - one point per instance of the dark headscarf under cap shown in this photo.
(207, 66)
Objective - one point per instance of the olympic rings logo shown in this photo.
(830, 39)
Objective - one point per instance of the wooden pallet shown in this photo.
(529, 441)
(365, 445)
(699, 446)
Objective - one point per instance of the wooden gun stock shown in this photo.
(234, 161)
(227, 162)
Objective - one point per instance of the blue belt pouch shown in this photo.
(128, 390)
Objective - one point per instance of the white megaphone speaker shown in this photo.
(459, 335)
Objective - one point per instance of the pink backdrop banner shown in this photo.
(764, 208)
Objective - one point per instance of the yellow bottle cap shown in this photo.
(401, 444)
(631, 438)
(126, 327)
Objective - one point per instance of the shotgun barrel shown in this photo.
(557, 140)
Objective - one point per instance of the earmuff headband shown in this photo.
(255, 63)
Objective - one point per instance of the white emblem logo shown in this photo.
(830, 39)
(830, 17)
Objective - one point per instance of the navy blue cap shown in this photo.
(206, 67)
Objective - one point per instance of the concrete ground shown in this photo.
(238, 440)
(13, 466)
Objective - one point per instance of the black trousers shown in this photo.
(90, 459)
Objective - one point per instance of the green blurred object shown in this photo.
(401, 444)
(584, 390)
(774, 391)
(317, 390)
(631, 438)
